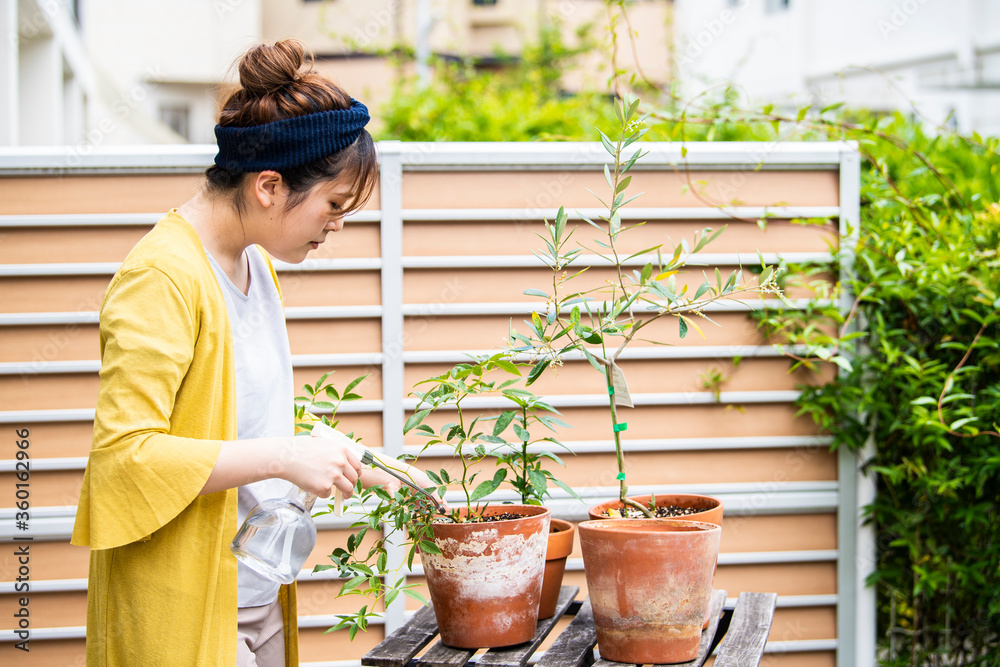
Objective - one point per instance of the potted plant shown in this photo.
(634, 568)
(483, 564)
(485, 572)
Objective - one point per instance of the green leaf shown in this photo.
(355, 382)
(608, 146)
(536, 292)
(415, 419)
(429, 547)
(536, 371)
(632, 108)
(704, 287)
(682, 326)
(538, 481)
(521, 434)
(707, 238)
(354, 583)
(415, 595)
(598, 366)
(565, 487)
(485, 489)
(924, 400)
(503, 421)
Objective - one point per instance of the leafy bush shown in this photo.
(521, 101)
(925, 385)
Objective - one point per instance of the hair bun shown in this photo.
(264, 69)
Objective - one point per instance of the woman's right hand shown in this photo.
(320, 465)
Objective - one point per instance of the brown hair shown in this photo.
(276, 82)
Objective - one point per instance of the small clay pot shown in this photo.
(650, 584)
(561, 537)
(711, 508)
(486, 583)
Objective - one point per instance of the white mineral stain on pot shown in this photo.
(510, 569)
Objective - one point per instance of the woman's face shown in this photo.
(298, 230)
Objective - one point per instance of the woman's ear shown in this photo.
(268, 188)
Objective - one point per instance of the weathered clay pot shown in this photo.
(561, 537)
(711, 507)
(487, 581)
(650, 584)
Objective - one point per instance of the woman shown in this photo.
(196, 395)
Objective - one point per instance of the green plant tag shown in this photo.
(619, 389)
(621, 477)
(620, 427)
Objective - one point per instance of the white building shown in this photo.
(943, 56)
(87, 74)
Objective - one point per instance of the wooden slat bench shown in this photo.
(740, 634)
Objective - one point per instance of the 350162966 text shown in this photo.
(22, 548)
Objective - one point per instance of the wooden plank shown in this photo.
(517, 656)
(398, 648)
(575, 646)
(743, 645)
(708, 634)
(440, 655)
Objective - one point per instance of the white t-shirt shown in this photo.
(264, 391)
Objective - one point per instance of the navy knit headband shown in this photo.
(289, 142)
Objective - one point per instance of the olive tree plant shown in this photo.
(601, 322)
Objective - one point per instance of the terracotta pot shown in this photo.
(487, 581)
(561, 537)
(711, 507)
(650, 584)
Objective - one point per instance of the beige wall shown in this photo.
(350, 27)
(778, 481)
(347, 26)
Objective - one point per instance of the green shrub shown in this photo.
(923, 381)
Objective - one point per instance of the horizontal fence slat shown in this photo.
(726, 213)
(409, 310)
(116, 219)
(739, 499)
(576, 447)
(445, 357)
(433, 262)
(193, 158)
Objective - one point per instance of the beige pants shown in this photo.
(260, 636)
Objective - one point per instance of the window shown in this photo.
(178, 118)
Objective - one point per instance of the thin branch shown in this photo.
(944, 389)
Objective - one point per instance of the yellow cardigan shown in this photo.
(162, 585)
